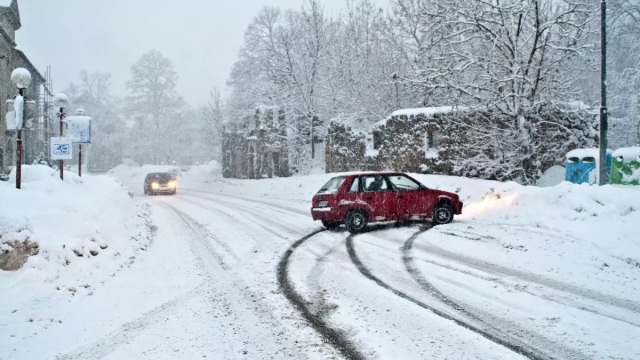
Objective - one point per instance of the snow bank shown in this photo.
(628, 154)
(86, 230)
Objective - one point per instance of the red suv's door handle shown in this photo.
(369, 197)
(400, 197)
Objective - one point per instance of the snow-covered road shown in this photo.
(230, 275)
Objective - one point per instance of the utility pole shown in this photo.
(602, 174)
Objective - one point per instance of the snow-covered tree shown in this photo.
(624, 68)
(517, 60)
(93, 94)
(155, 107)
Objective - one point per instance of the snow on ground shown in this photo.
(87, 229)
(552, 268)
(597, 226)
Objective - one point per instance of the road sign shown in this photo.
(78, 129)
(61, 148)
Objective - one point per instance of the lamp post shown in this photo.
(61, 101)
(22, 78)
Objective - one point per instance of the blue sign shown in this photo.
(61, 149)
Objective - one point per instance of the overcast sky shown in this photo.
(201, 37)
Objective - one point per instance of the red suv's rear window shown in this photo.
(333, 185)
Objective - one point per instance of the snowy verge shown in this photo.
(86, 229)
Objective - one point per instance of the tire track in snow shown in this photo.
(255, 212)
(263, 202)
(511, 345)
(499, 270)
(206, 267)
(481, 316)
(130, 330)
(323, 307)
(241, 212)
(549, 297)
(333, 336)
(203, 235)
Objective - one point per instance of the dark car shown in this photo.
(160, 183)
(359, 199)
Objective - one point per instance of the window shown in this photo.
(355, 186)
(333, 185)
(403, 183)
(375, 183)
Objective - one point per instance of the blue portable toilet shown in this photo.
(582, 165)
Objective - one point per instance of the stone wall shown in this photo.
(471, 143)
(257, 147)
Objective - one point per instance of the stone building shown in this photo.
(256, 147)
(35, 137)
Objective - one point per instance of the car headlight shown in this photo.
(154, 185)
(171, 184)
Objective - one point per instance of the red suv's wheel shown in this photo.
(356, 221)
(443, 214)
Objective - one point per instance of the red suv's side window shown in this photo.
(355, 186)
(375, 183)
(403, 183)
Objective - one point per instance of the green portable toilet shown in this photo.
(625, 169)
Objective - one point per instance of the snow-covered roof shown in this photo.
(426, 111)
(582, 153)
(627, 154)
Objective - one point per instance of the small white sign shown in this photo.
(78, 129)
(61, 148)
(11, 116)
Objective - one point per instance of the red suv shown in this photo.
(358, 199)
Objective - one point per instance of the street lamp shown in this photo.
(61, 101)
(22, 78)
